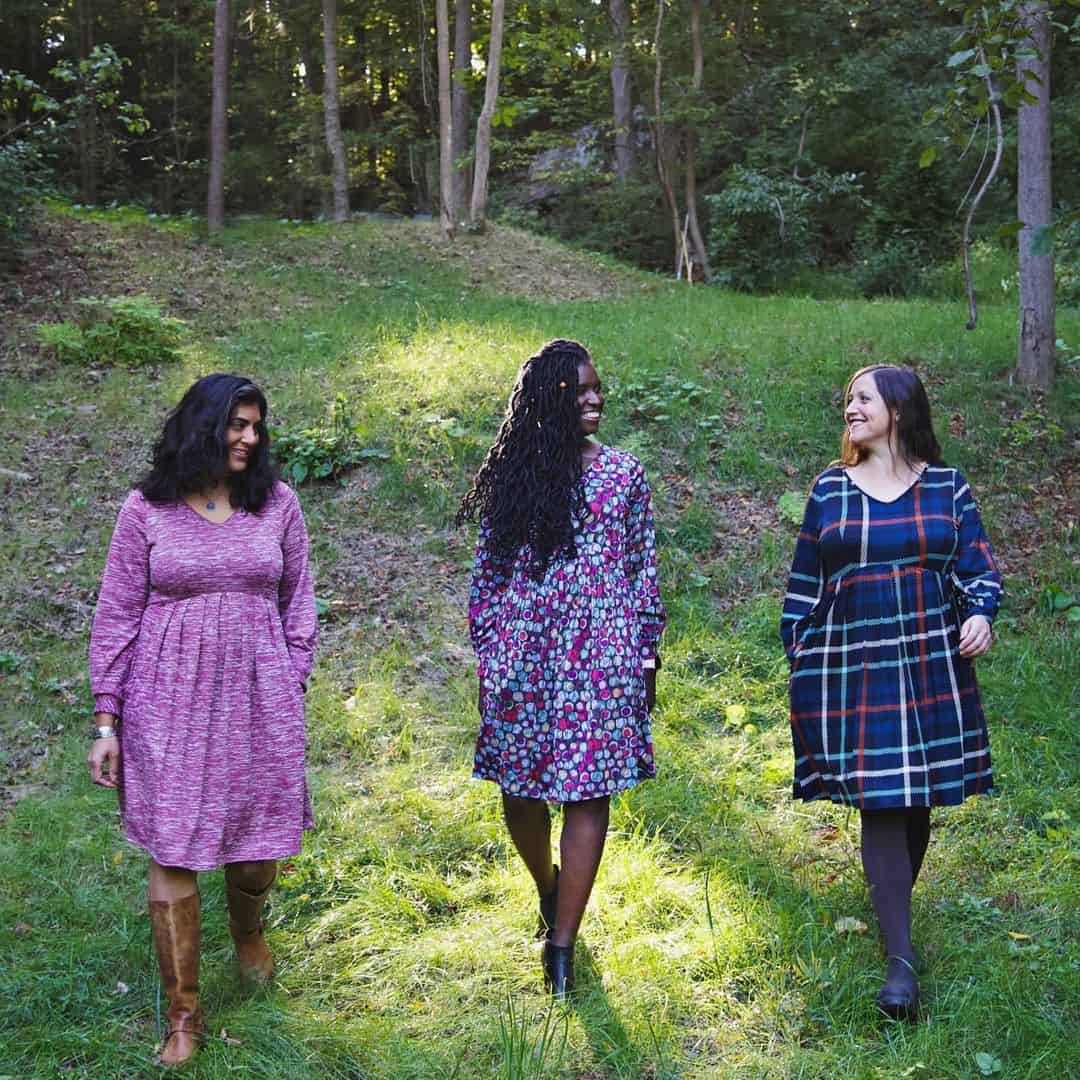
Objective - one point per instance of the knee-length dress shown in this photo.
(885, 713)
(202, 640)
(561, 661)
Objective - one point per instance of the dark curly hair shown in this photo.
(191, 453)
(904, 396)
(529, 488)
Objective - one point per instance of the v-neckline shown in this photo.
(203, 517)
(884, 502)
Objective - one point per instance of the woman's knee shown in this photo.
(253, 876)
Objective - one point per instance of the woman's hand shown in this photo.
(975, 636)
(104, 756)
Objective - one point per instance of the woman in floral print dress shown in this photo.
(565, 617)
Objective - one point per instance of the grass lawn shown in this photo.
(719, 942)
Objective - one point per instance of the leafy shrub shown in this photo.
(765, 227)
(321, 453)
(129, 330)
(109, 330)
(891, 269)
(21, 177)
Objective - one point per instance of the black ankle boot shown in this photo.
(899, 997)
(559, 969)
(548, 906)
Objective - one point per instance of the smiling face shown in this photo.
(868, 419)
(590, 398)
(242, 435)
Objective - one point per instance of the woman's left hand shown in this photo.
(975, 636)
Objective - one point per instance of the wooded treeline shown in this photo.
(749, 139)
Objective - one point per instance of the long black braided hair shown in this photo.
(529, 486)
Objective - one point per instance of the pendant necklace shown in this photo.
(210, 504)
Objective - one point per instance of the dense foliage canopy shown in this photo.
(804, 124)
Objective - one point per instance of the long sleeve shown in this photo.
(975, 576)
(490, 577)
(807, 579)
(296, 593)
(125, 588)
(640, 567)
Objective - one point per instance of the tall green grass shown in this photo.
(404, 930)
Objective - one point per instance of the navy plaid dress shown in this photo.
(885, 713)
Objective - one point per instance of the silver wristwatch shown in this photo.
(105, 731)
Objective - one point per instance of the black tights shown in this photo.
(893, 846)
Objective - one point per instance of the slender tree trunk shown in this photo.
(478, 209)
(1035, 350)
(460, 106)
(332, 109)
(446, 152)
(697, 241)
(659, 141)
(219, 132)
(623, 114)
(88, 149)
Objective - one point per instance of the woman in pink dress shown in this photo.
(565, 617)
(202, 642)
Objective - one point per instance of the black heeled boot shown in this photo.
(899, 997)
(548, 906)
(559, 970)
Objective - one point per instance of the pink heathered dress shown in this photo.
(202, 640)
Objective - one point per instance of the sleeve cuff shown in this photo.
(108, 703)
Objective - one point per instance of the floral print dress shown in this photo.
(561, 661)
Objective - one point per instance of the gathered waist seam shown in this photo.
(159, 599)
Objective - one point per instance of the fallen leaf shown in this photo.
(228, 1040)
(121, 988)
(1017, 936)
(22, 928)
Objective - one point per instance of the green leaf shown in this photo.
(1042, 240)
(928, 157)
(1010, 229)
(790, 506)
(959, 58)
(988, 1064)
(299, 471)
(1073, 614)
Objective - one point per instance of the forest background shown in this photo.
(788, 138)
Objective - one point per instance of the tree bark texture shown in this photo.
(332, 110)
(461, 120)
(219, 121)
(623, 113)
(478, 209)
(1034, 207)
(697, 241)
(446, 153)
(88, 148)
(659, 142)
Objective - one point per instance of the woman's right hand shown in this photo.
(104, 756)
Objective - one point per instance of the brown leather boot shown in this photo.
(246, 927)
(175, 927)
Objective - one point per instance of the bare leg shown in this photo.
(585, 828)
(529, 823)
(171, 882)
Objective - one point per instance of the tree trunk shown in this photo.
(662, 170)
(1034, 207)
(623, 114)
(478, 209)
(332, 109)
(219, 132)
(88, 150)
(459, 128)
(446, 153)
(697, 242)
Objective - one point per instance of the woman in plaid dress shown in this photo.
(892, 592)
